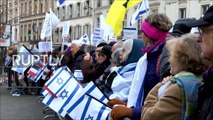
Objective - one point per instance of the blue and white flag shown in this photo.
(58, 82)
(61, 1)
(58, 104)
(136, 89)
(122, 82)
(143, 9)
(91, 102)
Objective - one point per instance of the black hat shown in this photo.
(206, 19)
(181, 26)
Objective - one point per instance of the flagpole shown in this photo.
(98, 100)
(51, 29)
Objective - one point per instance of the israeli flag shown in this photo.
(58, 104)
(92, 103)
(136, 89)
(58, 82)
(61, 1)
(143, 9)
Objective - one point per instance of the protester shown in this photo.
(128, 59)
(180, 28)
(77, 54)
(205, 99)
(178, 96)
(105, 81)
(92, 71)
(154, 31)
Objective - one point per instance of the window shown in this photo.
(78, 10)
(25, 8)
(71, 34)
(41, 8)
(30, 7)
(16, 34)
(21, 33)
(182, 13)
(35, 7)
(22, 6)
(98, 3)
(70, 11)
(63, 12)
(204, 8)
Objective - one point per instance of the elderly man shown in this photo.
(77, 54)
(205, 101)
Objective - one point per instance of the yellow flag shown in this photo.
(132, 3)
(117, 13)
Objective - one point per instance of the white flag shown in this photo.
(85, 39)
(58, 104)
(54, 19)
(143, 9)
(61, 3)
(50, 22)
(23, 60)
(46, 28)
(58, 82)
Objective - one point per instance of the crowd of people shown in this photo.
(171, 72)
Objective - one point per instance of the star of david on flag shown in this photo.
(53, 86)
(58, 104)
(91, 101)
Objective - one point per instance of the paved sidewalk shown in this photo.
(24, 107)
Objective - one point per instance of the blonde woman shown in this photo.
(177, 98)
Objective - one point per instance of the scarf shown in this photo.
(189, 84)
(154, 34)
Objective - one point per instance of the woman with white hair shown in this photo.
(129, 57)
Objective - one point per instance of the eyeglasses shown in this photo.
(204, 30)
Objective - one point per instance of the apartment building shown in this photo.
(31, 18)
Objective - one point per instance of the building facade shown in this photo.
(31, 18)
(27, 16)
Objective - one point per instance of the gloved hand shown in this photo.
(119, 112)
(112, 102)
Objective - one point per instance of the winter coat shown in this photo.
(205, 97)
(93, 72)
(77, 61)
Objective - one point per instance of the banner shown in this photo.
(45, 46)
(97, 36)
(5, 35)
(66, 29)
(130, 33)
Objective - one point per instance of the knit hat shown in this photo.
(68, 52)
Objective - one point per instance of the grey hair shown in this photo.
(115, 57)
(127, 48)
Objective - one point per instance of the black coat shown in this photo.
(77, 61)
